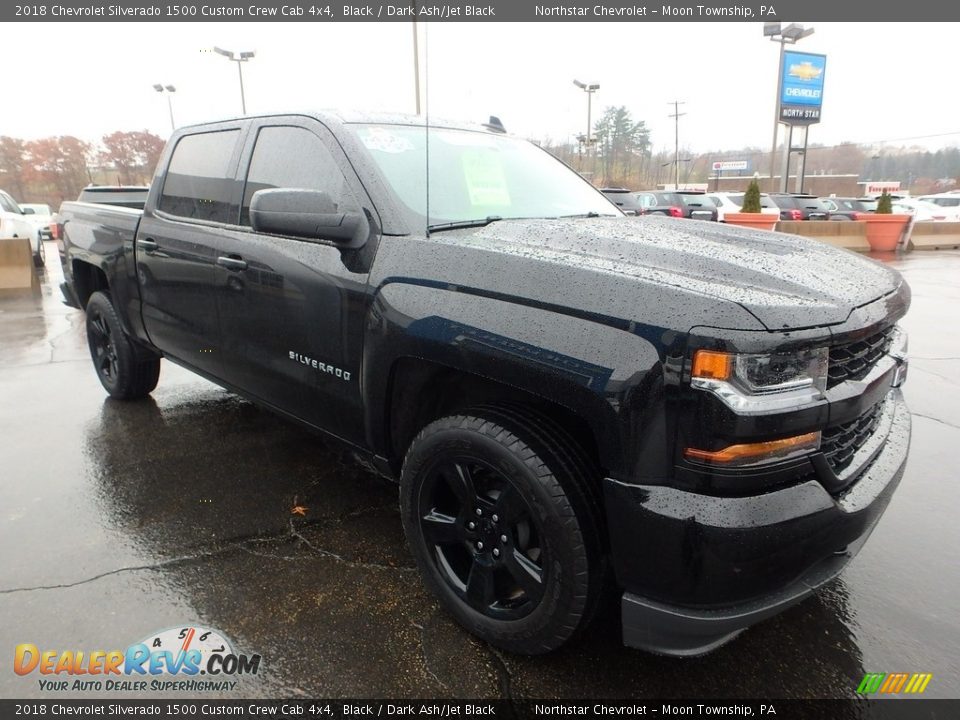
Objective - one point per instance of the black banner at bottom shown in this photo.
(886, 709)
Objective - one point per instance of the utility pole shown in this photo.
(416, 57)
(676, 141)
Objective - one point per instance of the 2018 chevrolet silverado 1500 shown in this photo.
(708, 417)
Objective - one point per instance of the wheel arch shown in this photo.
(431, 350)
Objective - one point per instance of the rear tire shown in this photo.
(121, 368)
(40, 257)
(502, 519)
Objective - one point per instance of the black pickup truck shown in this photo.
(706, 418)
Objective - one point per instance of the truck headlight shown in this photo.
(757, 384)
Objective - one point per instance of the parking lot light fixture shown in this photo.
(169, 90)
(589, 89)
(239, 58)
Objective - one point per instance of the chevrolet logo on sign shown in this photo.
(805, 71)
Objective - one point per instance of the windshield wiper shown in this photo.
(479, 222)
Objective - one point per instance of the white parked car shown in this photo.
(950, 202)
(728, 202)
(40, 216)
(14, 222)
(921, 210)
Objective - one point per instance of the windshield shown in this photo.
(477, 175)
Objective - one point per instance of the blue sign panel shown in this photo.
(801, 87)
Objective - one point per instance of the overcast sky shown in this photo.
(883, 81)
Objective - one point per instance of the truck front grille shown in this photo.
(852, 361)
(840, 443)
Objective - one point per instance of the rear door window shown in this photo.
(199, 183)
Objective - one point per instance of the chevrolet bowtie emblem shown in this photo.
(805, 71)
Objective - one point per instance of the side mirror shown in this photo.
(309, 214)
(27, 211)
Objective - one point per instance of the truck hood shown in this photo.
(784, 281)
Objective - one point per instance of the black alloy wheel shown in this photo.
(103, 347)
(126, 371)
(484, 538)
(501, 510)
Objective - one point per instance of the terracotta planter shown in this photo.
(884, 231)
(757, 221)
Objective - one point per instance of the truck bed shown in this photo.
(96, 234)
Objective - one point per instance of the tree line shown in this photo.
(53, 169)
(621, 154)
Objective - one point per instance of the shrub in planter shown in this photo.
(751, 214)
(884, 228)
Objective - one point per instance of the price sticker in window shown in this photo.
(486, 184)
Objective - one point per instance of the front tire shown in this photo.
(122, 370)
(500, 514)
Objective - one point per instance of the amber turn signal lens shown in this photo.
(712, 365)
(753, 451)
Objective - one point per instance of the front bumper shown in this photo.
(700, 569)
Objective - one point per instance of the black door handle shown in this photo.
(232, 263)
(147, 245)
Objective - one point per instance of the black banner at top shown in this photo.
(477, 11)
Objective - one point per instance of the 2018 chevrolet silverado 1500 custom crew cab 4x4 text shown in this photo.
(708, 417)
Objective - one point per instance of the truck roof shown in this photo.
(353, 117)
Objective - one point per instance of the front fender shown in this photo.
(614, 379)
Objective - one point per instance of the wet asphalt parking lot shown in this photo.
(121, 519)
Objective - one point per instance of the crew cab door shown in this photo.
(291, 309)
(177, 241)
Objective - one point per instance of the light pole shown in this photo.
(239, 59)
(676, 141)
(589, 89)
(169, 89)
(790, 35)
(416, 59)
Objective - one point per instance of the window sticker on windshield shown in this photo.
(483, 174)
(381, 139)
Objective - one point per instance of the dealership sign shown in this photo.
(730, 165)
(801, 87)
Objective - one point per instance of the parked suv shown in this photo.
(625, 199)
(848, 208)
(696, 206)
(727, 202)
(800, 207)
